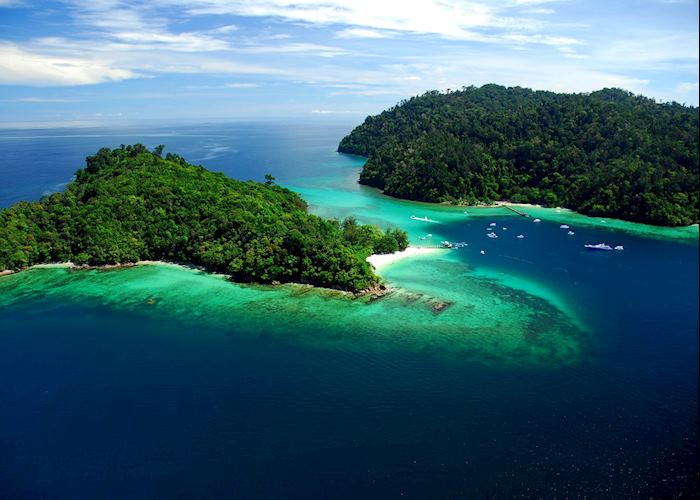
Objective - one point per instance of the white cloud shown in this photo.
(180, 42)
(539, 11)
(364, 33)
(541, 39)
(333, 112)
(226, 29)
(687, 87)
(241, 85)
(22, 67)
(445, 18)
(295, 48)
(42, 100)
(650, 49)
(144, 60)
(369, 92)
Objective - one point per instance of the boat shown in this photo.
(482, 252)
(520, 236)
(536, 220)
(563, 226)
(422, 238)
(619, 247)
(570, 233)
(599, 246)
(492, 235)
(505, 228)
(460, 244)
(489, 229)
(492, 224)
(429, 235)
(422, 219)
(446, 244)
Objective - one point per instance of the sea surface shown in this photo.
(553, 372)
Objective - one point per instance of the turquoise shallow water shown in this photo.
(553, 371)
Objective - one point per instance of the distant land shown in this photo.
(130, 204)
(606, 153)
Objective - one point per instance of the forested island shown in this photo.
(130, 204)
(607, 153)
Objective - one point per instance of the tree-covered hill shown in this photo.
(130, 204)
(607, 153)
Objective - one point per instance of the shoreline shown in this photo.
(642, 228)
(499, 204)
(377, 289)
(378, 261)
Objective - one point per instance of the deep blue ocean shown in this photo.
(103, 402)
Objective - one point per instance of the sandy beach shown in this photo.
(503, 203)
(381, 260)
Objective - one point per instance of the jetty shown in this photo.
(522, 214)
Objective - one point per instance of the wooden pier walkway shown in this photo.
(523, 214)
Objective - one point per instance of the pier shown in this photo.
(522, 214)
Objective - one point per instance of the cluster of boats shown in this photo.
(604, 247)
(491, 234)
(460, 244)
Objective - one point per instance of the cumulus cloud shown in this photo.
(22, 67)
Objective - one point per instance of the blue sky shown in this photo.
(122, 61)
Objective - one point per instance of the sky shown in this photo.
(124, 61)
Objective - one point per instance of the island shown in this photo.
(606, 153)
(131, 204)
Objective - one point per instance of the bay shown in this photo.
(553, 371)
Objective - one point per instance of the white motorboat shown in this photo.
(422, 219)
(599, 246)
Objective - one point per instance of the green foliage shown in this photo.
(129, 204)
(607, 153)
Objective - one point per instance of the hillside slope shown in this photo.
(608, 153)
(130, 204)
